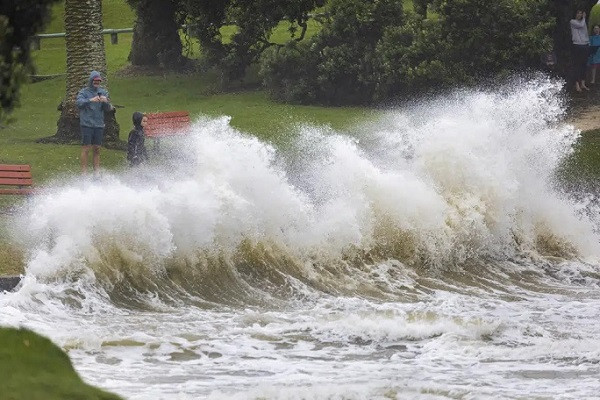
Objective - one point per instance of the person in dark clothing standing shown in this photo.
(136, 150)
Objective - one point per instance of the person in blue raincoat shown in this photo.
(92, 102)
(594, 60)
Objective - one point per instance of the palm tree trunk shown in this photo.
(85, 52)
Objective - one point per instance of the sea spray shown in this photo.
(462, 178)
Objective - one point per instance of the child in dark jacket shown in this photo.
(136, 150)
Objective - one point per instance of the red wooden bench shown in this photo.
(172, 123)
(163, 124)
(16, 179)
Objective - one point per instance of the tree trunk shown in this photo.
(85, 53)
(156, 41)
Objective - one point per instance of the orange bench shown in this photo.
(17, 178)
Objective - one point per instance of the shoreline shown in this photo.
(585, 120)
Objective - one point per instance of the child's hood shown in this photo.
(137, 119)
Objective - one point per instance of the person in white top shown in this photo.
(581, 49)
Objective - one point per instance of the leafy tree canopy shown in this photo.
(255, 20)
(369, 51)
(19, 21)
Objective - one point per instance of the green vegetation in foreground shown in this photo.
(33, 368)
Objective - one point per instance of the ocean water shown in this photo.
(427, 254)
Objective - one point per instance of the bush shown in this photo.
(12, 73)
(368, 52)
(287, 74)
(486, 38)
(341, 56)
(411, 60)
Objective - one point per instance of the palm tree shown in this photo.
(85, 52)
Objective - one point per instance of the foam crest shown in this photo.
(458, 178)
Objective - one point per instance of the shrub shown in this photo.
(369, 52)
(341, 56)
(287, 74)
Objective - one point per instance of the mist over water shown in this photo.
(428, 253)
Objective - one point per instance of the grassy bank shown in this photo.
(33, 368)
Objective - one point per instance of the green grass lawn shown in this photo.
(251, 112)
(33, 368)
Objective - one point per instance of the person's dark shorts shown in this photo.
(91, 136)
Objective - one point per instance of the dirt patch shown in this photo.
(585, 118)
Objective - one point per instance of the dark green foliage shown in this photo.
(410, 60)
(341, 56)
(471, 41)
(486, 37)
(12, 73)
(156, 39)
(288, 74)
(19, 21)
(368, 52)
(255, 21)
(33, 368)
(420, 7)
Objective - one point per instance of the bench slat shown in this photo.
(18, 176)
(16, 181)
(14, 174)
(169, 118)
(162, 126)
(168, 122)
(17, 191)
(12, 167)
(165, 133)
(167, 128)
(168, 114)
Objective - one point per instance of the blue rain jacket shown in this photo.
(91, 114)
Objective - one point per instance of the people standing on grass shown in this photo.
(136, 150)
(92, 102)
(580, 49)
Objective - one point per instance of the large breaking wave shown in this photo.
(449, 185)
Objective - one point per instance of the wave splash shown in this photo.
(455, 181)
